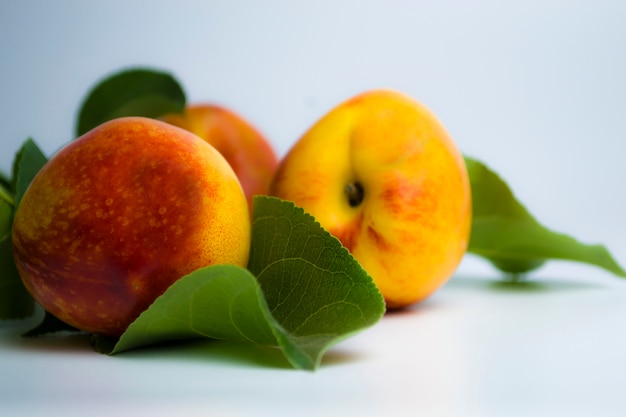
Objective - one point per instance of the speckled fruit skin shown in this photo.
(247, 151)
(121, 213)
(412, 226)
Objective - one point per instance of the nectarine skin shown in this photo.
(382, 174)
(119, 214)
(247, 151)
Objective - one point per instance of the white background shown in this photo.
(536, 89)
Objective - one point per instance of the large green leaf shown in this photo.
(132, 92)
(313, 286)
(309, 294)
(505, 233)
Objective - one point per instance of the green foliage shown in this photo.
(27, 163)
(131, 92)
(506, 234)
(6, 190)
(15, 302)
(6, 210)
(315, 289)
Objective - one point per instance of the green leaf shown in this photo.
(7, 203)
(27, 163)
(131, 92)
(5, 182)
(313, 286)
(506, 234)
(6, 212)
(309, 294)
(15, 301)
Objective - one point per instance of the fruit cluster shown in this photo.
(119, 214)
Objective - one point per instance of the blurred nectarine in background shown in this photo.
(247, 151)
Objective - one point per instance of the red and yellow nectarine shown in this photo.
(247, 151)
(121, 213)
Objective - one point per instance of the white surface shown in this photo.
(536, 89)
(474, 349)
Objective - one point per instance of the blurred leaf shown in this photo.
(6, 212)
(131, 92)
(27, 163)
(5, 183)
(15, 301)
(505, 233)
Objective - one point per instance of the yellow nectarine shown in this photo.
(382, 174)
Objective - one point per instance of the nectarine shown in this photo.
(119, 214)
(382, 174)
(247, 151)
